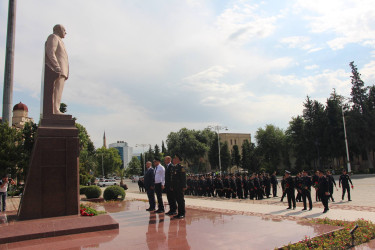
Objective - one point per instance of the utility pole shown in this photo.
(217, 128)
(9, 64)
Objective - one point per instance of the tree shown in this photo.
(134, 167)
(163, 149)
(28, 138)
(63, 108)
(149, 155)
(10, 149)
(109, 160)
(157, 153)
(235, 156)
(225, 156)
(190, 144)
(270, 143)
(246, 155)
(360, 117)
(213, 154)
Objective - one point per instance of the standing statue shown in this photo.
(56, 71)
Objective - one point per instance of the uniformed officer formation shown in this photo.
(172, 180)
(257, 186)
(322, 182)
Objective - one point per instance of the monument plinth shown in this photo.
(52, 185)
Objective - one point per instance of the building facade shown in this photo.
(20, 115)
(234, 139)
(124, 150)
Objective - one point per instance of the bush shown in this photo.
(113, 193)
(92, 192)
(82, 189)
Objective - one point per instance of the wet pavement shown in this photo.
(201, 229)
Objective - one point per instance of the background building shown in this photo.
(124, 150)
(234, 139)
(20, 115)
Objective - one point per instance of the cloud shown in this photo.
(349, 20)
(243, 23)
(311, 67)
(319, 84)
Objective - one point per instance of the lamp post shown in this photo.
(102, 165)
(217, 129)
(346, 141)
(143, 148)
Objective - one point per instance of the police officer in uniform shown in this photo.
(344, 180)
(170, 194)
(306, 189)
(289, 188)
(323, 190)
(178, 180)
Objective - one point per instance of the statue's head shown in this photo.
(59, 30)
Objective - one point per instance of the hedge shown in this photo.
(114, 193)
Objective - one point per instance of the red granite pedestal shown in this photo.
(52, 185)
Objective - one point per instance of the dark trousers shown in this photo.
(324, 199)
(245, 193)
(282, 197)
(267, 190)
(171, 200)
(158, 192)
(344, 190)
(274, 190)
(239, 193)
(179, 194)
(306, 194)
(151, 197)
(331, 193)
(291, 198)
(3, 196)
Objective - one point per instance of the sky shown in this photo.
(142, 69)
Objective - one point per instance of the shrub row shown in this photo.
(110, 193)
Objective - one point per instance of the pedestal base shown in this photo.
(52, 185)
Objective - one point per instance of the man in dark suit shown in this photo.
(323, 190)
(289, 189)
(170, 194)
(306, 189)
(150, 185)
(178, 181)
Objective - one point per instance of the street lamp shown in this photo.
(143, 148)
(217, 128)
(346, 141)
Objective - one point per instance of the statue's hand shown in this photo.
(58, 70)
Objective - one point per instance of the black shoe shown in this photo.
(171, 213)
(304, 209)
(333, 200)
(159, 211)
(294, 208)
(325, 211)
(150, 209)
(310, 209)
(349, 200)
(179, 216)
(288, 208)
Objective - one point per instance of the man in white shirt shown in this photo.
(159, 184)
(3, 191)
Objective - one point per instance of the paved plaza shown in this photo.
(216, 223)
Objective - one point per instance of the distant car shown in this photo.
(135, 178)
(108, 182)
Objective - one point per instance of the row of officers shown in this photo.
(262, 185)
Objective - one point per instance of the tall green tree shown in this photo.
(190, 144)
(235, 156)
(225, 157)
(270, 143)
(246, 156)
(108, 160)
(134, 167)
(10, 149)
(163, 149)
(157, 151)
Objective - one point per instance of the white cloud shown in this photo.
(350, 20)
(323, 82)
(243, 23)
(312, 67)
